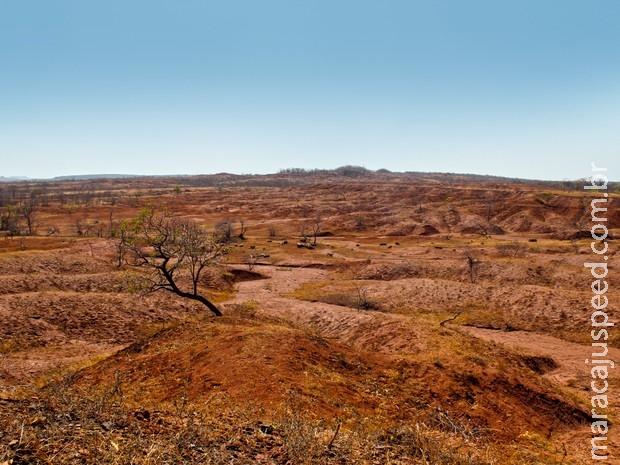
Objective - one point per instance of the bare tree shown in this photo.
(28, 210)
(111, 223)
(472, 263)
(124, 234)
(316, 228)
(173, 250)
(482, 229)
(251, 259)
(577, 231)
(244, 229)
(9, 221)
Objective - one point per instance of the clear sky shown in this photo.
(519, 88)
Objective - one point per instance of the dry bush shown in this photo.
(356, 298)
(514, 249)
(224, 230)
(362, 441)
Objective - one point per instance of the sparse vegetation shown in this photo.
(370, 345)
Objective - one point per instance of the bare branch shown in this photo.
(174, 250)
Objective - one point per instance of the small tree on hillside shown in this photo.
(472, 264)
(174, 251)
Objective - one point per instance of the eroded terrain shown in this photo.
(377, 344)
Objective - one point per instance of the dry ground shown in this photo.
(338, 354)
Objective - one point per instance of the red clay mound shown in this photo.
(260, 363)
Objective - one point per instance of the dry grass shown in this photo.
(61, 426)
(345, 294)
(284, 378)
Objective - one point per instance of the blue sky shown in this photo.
(513, 88)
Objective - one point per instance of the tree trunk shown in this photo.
(200, 299)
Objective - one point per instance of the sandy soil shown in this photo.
(364, 330)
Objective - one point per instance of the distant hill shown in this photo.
(88, 177)
(302, 176)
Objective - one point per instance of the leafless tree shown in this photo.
(305, 209)
(10, 221)
(28, 210)
(482, 229)
(251, 259)
(316, 228)
(472, 263)
(172, 250)
(576, 231)
(123, 233)
(111, 223)
(243, 228)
